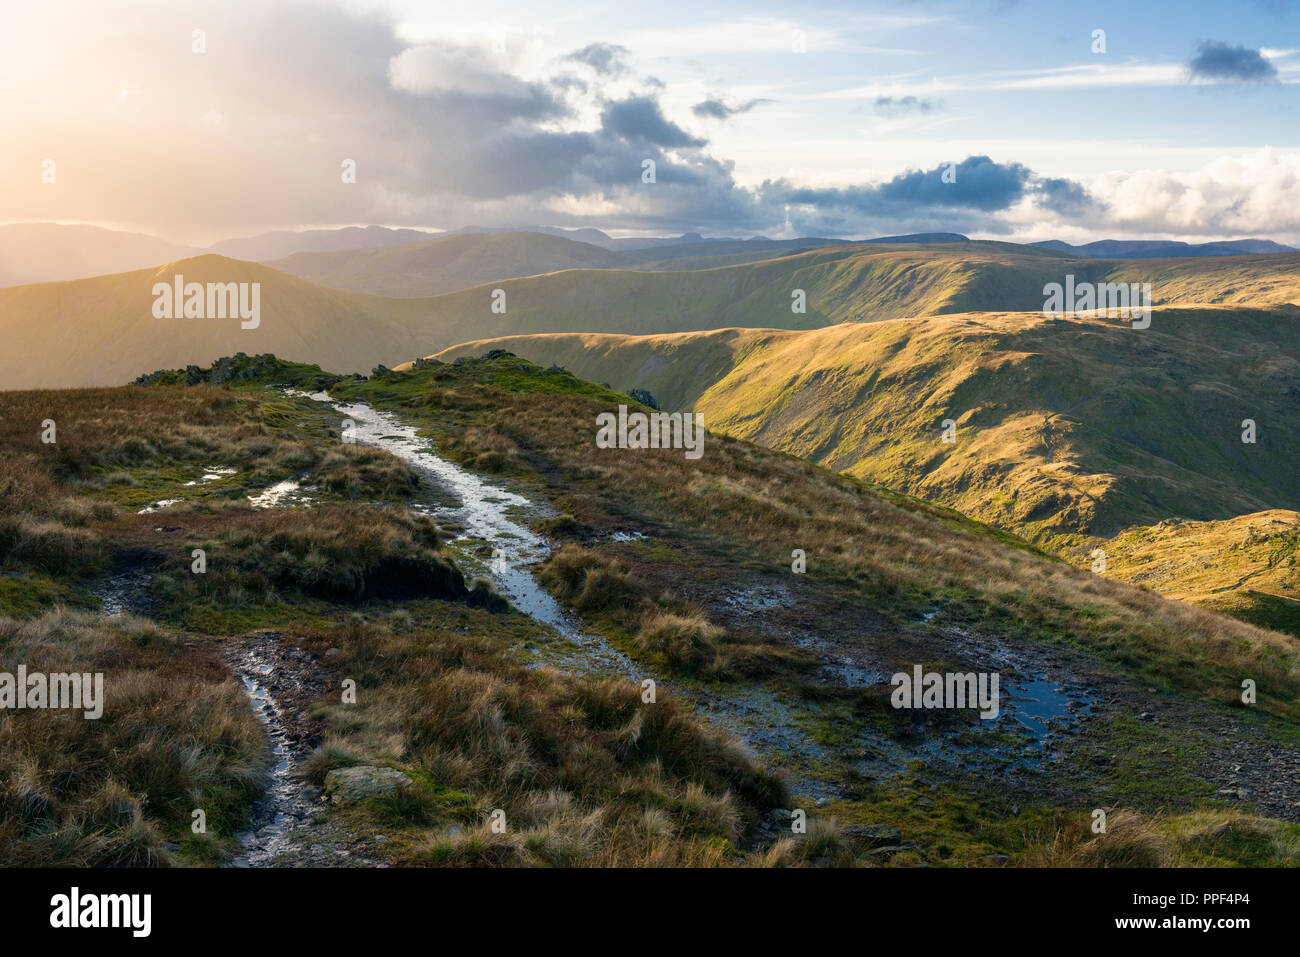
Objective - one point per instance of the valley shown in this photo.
(918, 471)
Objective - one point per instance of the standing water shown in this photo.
(484, 515)
(281, 807)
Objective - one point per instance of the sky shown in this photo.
(995, 118)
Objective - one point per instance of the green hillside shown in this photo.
(101, 330)
(1065, 428)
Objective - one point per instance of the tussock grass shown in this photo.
(1192, 840)
(176, 735)
(687, 643)
(341, 553)
(586, 773)
(750, 505)
(134, 445)
(663, 629)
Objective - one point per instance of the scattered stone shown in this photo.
(892, 849)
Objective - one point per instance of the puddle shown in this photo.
(622, 537)
(1043, 707)
(211, 473)
(483, 515)
(282, 807)
(281, 493)
(159, 505)
(757, 599)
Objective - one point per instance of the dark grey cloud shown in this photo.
(443, 134)
(974, 192)
(1064, 197)
(640, 118)
(609, 59)
(1228, 64)
(898, 105)
(718, 109)
(977, 182)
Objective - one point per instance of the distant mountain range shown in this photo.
(1165, 248)
(102, 330)
(49, 252)
(46, 252)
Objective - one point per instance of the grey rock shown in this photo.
(873, 833)
(350, 785)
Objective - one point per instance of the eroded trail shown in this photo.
(485, 515)
(284, 807)
(765, 720)
(278, 679)
(754, 713)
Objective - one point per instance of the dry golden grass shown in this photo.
(586, 772)
(341, 553)
(176, 735)
(754, 505)
(1155, 840)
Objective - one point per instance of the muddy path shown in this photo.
(777, 726)
(488, 513)
(1070, 727)
(280, 681)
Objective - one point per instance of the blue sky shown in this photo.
(532, 113)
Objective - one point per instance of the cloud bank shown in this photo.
(255, 132)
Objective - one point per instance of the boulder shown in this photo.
(350, 785)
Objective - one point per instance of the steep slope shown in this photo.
(1264, 279)
(1189, 559)
(1065, 428)
(722, 285)
(1245, 566)
(445, 264)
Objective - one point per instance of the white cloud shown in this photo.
(1251, 194)
(438, 68)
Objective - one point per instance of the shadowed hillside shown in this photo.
(445, 264)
